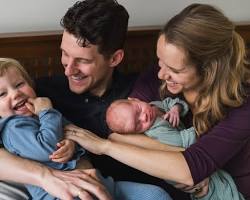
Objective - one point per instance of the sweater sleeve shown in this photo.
(33, 139)
(224, 146)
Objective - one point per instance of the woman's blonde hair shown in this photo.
(211, 44)
(6, 63)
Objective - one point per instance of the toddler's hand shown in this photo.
(36, 105)
(173, 115)
(65, 151)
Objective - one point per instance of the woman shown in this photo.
(201, 59)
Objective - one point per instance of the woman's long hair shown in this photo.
(218, 52)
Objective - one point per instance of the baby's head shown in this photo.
(15, 88)
(130, 116)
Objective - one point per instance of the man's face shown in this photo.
(85, 68)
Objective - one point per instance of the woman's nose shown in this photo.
(163, 74)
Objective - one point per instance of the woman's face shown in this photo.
(174, 70)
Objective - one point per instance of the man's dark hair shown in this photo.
(100, 22)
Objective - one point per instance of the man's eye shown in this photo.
(84, 61)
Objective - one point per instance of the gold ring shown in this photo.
(197, 190)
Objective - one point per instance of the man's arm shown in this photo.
(61, 184)
(13, 168)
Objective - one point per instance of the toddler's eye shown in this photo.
(20, 84)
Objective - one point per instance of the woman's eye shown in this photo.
(2, 94)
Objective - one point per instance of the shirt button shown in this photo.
(86, 100)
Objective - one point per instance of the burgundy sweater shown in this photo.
(226, 146)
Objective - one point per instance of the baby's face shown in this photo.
(143, 115)
(14, 93)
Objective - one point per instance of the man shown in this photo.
(92, 49)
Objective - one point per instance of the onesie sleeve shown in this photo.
(34, 139)
(169, 102)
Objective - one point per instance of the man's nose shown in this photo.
(70, 68)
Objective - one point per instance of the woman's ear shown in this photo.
(116, 58)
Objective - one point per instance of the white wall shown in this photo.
(44, 15)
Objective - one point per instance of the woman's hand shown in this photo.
(198, 191)
(66, 185)
(65, 151)
(86, 139)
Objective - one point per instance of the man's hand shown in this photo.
(66, 185)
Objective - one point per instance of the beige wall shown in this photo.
(43, 15)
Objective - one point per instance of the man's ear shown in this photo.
(116, 58)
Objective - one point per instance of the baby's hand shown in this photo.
(173, 115)
(36, 105)
(65, 151)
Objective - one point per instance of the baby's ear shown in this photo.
(132, 98)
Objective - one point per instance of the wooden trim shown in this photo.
(29, 34)
(40, 52)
